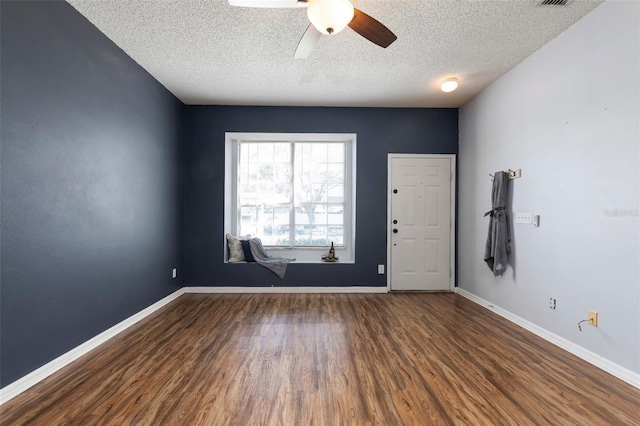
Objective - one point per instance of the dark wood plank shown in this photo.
(326, 359)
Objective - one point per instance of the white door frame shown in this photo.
(452, 257)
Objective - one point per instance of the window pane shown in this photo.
(319, 152)
(265, 172)
(335, 194)
(248, 220)
(247, 189)
(248, 153)
(281, 215)
(265, 191)
(319, 236)
(268, 183)
(275, 226)
(265, 152)
(303, 235)
(335, 173)
(312, 235)
(336, 234)
(320, 214)
(336, 153)
(304, 214)
(281, 236)
(318, 179)
(282, 172)
(282, 153)
(336, 215)
(318, 192)
(283, 192)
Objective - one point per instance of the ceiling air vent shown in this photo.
(554, 2)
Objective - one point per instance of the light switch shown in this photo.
(524, 218)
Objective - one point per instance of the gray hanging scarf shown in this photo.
(498, 245)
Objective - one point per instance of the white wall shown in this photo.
(568, 117)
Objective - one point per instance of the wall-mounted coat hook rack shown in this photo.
(513, 174)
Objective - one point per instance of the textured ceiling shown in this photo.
(209, 53)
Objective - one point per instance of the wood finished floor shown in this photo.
(326, 359)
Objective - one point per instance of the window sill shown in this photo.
(301, 261)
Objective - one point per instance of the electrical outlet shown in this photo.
(593, 318)
(552, 303)
(380, 269)
(174, 273)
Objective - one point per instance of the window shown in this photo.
(296, 192)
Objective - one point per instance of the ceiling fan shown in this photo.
(328, 17)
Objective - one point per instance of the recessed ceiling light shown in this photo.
(449, 85)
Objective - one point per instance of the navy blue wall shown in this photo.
(91, 148)
(89, 219)
(379, 131)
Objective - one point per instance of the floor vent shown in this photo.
(554, 2)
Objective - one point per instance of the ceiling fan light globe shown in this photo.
(330, 16)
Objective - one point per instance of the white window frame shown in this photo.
(231, 199)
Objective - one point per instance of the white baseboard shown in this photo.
(610, 367)
(354, 289)
(14, 389)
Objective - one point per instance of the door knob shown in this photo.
(395, 221)
(395, 191)
(395, 231)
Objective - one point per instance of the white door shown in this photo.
(420, 222)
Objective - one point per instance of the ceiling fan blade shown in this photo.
(308, 42)
(371, 29)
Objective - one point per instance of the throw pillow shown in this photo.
(246, 248)
(236, 254)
